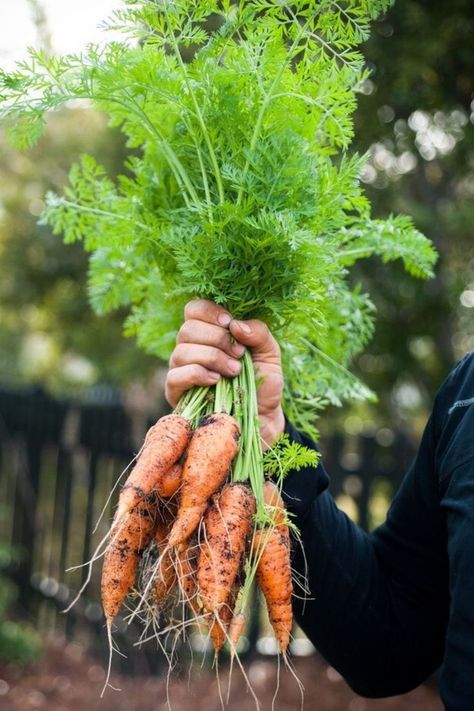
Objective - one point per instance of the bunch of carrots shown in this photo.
(197, 498)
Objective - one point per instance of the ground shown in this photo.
(66, 679)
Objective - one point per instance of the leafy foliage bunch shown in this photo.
(238, 187)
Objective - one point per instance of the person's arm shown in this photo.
(377, 603)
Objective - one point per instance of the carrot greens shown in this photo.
(239, 186)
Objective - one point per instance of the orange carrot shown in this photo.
(164, 444)
(130, 536)
(166, 574)
(208, 459)
(226, 527)
(272, 548)
(170, 482)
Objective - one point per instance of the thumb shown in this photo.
(258, 338)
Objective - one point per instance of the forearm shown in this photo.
(355, 613)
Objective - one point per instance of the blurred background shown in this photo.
(76, 396)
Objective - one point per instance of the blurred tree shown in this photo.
(416, 121)
(48, 332)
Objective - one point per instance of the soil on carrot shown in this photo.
(67, 679)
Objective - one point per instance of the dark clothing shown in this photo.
(388, 608)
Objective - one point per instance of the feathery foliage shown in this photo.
(238, 188)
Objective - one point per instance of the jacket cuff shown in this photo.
(301, 487)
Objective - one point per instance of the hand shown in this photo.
(206, 350)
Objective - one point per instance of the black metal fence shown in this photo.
(58, 462)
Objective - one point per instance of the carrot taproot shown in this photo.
(166, 573)
(164, 445)
(226, 526)
(210, 453)
(271, 546)
(129, 538)
(220, 621)
(236, 629)
(170, 482)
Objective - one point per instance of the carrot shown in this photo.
(164, 444)
(170, 482)
(166, 574)
(208, 459)
(272, 549)
(226, 527)
(130, 536)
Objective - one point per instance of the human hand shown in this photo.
(206, 350)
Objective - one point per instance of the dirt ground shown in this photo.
(66, 679)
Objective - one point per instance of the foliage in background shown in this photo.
(417, 121)
(48, 332)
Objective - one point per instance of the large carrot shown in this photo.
(129, 538)
(272, 549)
(164, 444)
(208, 459)
(226, 527)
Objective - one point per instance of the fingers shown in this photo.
(185, 377)
(206, 334)
(209, 357)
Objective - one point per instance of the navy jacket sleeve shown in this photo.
(387, 608)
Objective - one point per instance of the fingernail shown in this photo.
(244, 326)
(238, 349)
(214, 376)
(234, 366)
(224, 319)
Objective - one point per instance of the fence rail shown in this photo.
(59, 460)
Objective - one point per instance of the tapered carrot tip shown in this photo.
(165, 443)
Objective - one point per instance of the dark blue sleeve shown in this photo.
(377, 603)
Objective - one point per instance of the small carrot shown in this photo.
(130, 536)
(170, 482)
(271, 546)
(208, 459)
(166, 574)
(164, 445)
(226, 527)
